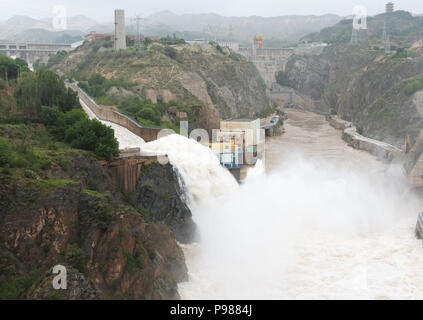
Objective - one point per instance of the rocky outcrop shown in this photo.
(161, 191)
(80, 220)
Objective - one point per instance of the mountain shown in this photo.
(377, 90)
(26, 29)
(288, 29)
(46, 36)
(215, 80)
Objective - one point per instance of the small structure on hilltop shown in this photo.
(389, 7)
(120, 34)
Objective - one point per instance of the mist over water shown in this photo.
(308, 229)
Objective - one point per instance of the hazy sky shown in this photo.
(103, 9)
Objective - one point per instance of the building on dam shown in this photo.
(236, 143)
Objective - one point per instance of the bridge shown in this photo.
(32, 51)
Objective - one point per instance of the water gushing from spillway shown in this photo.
(326, 223)
(204, 177)
(310, 229)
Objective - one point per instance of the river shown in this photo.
(325, 222)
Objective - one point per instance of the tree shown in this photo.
(9, 69)
(96, 80)
(23, 65)
(51, 90)
(92, 135)
(170, 52)
(4, 152)
(54, 120)
(27, 95)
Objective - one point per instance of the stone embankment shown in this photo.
(380, 149)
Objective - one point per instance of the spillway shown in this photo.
(126, 138)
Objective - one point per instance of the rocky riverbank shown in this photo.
(350, 135)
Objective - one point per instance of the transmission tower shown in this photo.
(354, 36)
(384, 34)
(137, 21)
(388, 45)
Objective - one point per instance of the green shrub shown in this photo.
(64, 163)
(171, 52)
(129, 197)
(74, 116)
(94, 136)
(103, 217)
(31, 174)
(5, 150)
(75, 257)
(414, 85)
(144, 212)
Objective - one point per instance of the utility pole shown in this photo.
(388, 46)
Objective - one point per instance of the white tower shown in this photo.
(120, 35)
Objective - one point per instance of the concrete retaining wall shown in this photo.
(147, 134)
(125, 172)
(354, 139)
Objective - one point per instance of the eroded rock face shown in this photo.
(111, 250)
(159, 192)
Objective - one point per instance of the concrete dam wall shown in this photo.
(125, 172)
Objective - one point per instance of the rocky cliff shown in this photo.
(163, 200)
(363, 83)
(76, 217)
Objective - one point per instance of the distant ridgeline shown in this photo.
(371, 77)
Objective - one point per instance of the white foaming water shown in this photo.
(306, 231)
(204, 177)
